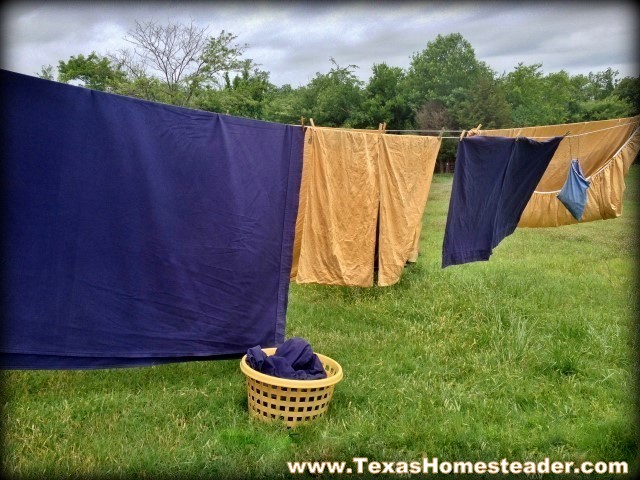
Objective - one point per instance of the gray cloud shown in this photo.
(293, 41)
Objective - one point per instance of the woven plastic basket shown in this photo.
(292, 401)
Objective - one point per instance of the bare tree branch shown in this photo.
(172, 51)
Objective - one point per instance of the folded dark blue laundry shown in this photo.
(294, 359)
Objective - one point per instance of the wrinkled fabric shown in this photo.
(492, 183)
(573, 194)
(605, 157)
(349, 177)
(138, 233)
(407, 163)
(336, 227)
(294, 359)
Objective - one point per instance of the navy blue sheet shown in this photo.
(493, 180)
(138, 233)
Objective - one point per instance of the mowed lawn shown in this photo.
(526, 356)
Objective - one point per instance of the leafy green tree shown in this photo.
(333, 99)
(244, 96)
(599, 96)
(609, 107)
(628, 89)
(94, 71)
(383, 100)
(447, 70)
(284, 105)
(602, 84)
(537, 99)
(485, 104)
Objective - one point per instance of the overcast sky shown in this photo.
(294, 40)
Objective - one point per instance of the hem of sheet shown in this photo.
(458, 258)
(19, 361)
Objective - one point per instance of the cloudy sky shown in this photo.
(294, 40)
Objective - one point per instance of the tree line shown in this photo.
(445, 85)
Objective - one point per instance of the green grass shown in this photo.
(527, 356)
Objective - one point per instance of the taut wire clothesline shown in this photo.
(593, 131)
(567, 136)
(459, 131)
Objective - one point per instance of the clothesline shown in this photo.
(460, 131)
(593, 131)
(566, 136)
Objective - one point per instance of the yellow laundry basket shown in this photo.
(292, 401)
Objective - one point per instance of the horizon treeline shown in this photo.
(445, 86)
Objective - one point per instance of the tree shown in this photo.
(602, 84)
(537, 99)
(433, 115)
(628, 89)
(284, 105)
(244, 96)
(333, 99)
(383, 100)
(446, 70)
(182, 56)
(609, 107)
(485, 104)
(46, 72)
(94, 71)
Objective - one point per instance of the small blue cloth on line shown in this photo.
(293, 359)
(574, 192)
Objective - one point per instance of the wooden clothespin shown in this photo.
(462, 134)
(384, 127)
(302, 121)
(310, 132)
(441, 132)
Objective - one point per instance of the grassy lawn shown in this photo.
(527, 356)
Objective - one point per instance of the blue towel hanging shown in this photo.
(574, 192)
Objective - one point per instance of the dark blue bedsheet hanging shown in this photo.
(138, 233)
(493, 180)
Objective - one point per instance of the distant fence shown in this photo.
(445, 167)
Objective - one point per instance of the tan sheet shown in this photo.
(605, 149)
(336, 225)
(406, 169)
(348, 178)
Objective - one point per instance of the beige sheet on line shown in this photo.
(605, 157)
(406, 169)
(348, 178)
(337, 214)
